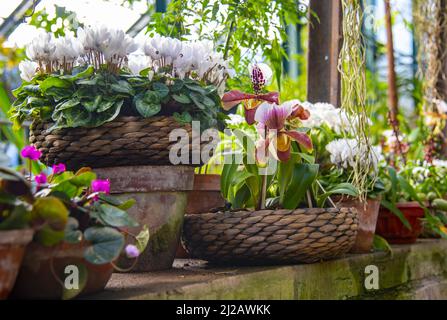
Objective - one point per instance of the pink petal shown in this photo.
(283, 155)
(302, 138)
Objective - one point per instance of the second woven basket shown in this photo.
(270, 236)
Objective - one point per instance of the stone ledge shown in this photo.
(416, 271)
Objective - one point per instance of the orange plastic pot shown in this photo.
(393, 230)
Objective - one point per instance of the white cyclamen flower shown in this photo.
(112, 43)
(137, 63)
(68, 49)
(42, 48)
(28, 70)
(441, 106)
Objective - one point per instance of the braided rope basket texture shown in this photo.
(270, 236)
(123, 141)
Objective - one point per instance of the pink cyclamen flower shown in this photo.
(101, 186)
(132, 251)
(30, 152)
(40, 178)
(59, 168)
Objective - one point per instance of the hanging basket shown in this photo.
(270, 236)
(121, 142)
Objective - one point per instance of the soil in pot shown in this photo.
(367, 217)
(12, 250)
(43, 271)
(161, 194)
(204, 197)
(392, 229)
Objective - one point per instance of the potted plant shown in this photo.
(271, 220)
(407, 202)
(76, 223)
(15, 233)
(96, 102)
(133, 100)
(337, 152)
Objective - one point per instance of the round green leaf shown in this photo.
(106, 245)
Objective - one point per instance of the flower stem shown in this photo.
(263, 193)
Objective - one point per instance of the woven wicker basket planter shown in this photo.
(270, 236)
(123, 141)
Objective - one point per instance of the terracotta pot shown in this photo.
(391, 228)
(43, 269)
(12, 249)
(367, 216)
(205, 196)
(160, 193)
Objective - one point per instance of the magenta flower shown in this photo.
(59, 168)
(273, 117)
(132, 251)
(40, 178)
(101, 186)
(30, 152)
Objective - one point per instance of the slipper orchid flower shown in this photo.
(260, 74)
(272, 117)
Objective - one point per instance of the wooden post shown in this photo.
(442, 81)
(325, 36)
(393, 99)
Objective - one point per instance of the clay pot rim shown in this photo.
(18, 236)
(409, 205)
(151, 178)
(206, 182)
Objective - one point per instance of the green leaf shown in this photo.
(122, 87)
(177, 86)
(52, 211)
(181, 98)
(123, 205)
(68, 294)
(80, 75)
(17, 219)
(106, 244)
(161, 89)
(49, 237)
(148, 104)
(198, 100)
(142, 239)
(285, 172)
(381, 244)
(83, 179)
(54, 82)
(105, 105)
(67, 104)
(303, 176)
(226, 177)
(115, 217)
(72, 234)
(184, 117)
(92, 105)
(196, 87)
(392, 207)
